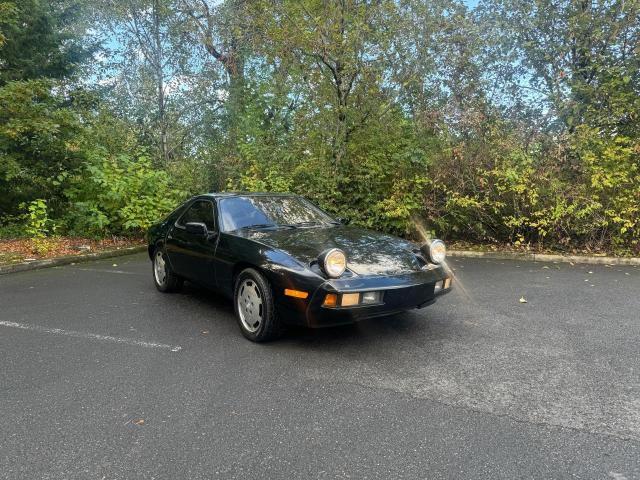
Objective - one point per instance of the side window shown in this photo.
(201, 211)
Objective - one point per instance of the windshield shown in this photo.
(259, 211)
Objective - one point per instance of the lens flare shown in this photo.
(425, 238)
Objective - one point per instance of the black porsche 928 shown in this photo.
(284, 261)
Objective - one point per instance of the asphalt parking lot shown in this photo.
(103, 377)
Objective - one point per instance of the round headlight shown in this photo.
(437, 251)
(333, 262)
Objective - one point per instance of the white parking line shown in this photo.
(92, 336)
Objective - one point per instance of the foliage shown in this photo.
(38, 226)
(8, 14)
(381, 185)
(12, 227)
(38, 222)
(612, 186)
(40, 39)
(386, 125)
(59, 147)
(119, 194)
(513, 122)
(39, 145)
(156, 75)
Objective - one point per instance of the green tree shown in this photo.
(154, 74)
(337, 50)
(223, 31)
(42, 39)
(39, 144)
(559, 54)
(8, 14)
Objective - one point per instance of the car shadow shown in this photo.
(209, 298)
(397, 328)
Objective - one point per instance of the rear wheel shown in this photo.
(166, 281)
(253, 305)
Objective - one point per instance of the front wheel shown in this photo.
(253, 305)
(165, 280)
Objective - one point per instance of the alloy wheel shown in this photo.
(250, 307)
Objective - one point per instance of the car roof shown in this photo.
(247, 194)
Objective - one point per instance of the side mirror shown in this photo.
(196, 228)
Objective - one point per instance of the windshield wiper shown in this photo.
(267, 225)
(302, 224)
(258, 225)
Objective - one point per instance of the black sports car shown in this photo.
(285, 261)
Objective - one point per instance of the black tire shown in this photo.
(170, 282)
(253, 289)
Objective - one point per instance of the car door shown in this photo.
(191, 254)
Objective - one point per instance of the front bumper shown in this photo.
(399, 293)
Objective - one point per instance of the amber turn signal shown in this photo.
(295, 293)
(331, 300)
(350, 299)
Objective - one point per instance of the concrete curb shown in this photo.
(543, 257)
(55, 262)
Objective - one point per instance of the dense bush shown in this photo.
(586, 194)
(118, 194)
(582, 191)
(68, 166)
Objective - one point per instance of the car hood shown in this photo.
(368, 252)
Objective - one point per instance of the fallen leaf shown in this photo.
(523, 300)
